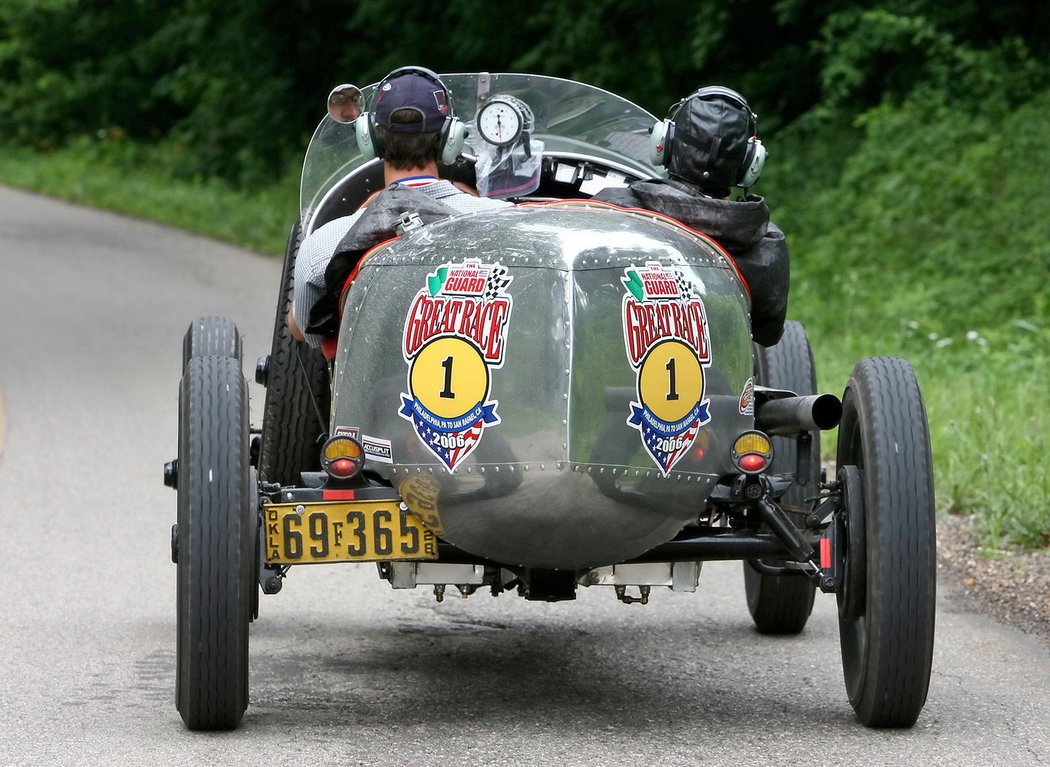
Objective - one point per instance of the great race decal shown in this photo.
(455, 336)
(668, 345)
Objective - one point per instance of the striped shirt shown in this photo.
(317, 249)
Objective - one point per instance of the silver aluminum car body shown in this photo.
(557, 477)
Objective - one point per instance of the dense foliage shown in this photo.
(906, 136)
(239, 83)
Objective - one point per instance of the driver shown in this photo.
(709, 144)
(411, 127)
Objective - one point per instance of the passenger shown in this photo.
(709, 144)
(413, 126)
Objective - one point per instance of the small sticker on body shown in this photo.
(376, 449)
(747, 398)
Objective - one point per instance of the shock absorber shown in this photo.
(758, 489)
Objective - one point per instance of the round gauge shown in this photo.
(500, 122)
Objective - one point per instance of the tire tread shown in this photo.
(214, 572)
(211, 335)
(781, 604)
(297, 387)
(891, 689)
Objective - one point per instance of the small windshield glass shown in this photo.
(571, 119)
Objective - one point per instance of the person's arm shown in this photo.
(308, 284)
(293, 326)
(466, 188)
(308, 281)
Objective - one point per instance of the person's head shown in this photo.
(413, 124)
(344, 103)
(710, 141)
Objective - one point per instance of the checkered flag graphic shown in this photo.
(496, 282)
(685, 285)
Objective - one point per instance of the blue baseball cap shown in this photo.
(415, 90)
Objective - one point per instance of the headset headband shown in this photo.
(714, 91)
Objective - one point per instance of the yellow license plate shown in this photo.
(344, 531)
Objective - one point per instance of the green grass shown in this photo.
(990, 437)
(941, 257)
(148, 182)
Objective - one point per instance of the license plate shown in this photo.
(345, 531)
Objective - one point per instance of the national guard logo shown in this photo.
(455, 336)
(668, 345)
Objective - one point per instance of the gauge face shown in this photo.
(500, 122)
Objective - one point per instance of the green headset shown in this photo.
(662, 142)
(453, 132)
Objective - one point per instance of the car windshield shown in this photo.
(573, 120)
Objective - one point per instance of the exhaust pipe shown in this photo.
(786, 416)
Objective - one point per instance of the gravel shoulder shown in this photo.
(1012, 586)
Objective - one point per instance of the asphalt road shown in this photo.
(343, 669)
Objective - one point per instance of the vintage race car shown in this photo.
(555, 395)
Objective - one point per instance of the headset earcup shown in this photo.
(753, 163)
(452, 139)
(366, 136)
(660, 139)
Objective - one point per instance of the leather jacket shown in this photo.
(740, 226)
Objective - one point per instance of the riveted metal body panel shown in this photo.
(548, 385)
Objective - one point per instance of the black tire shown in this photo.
(781, 604)
(298, 398)
(886, 629)
(209, 336)
(216, 545)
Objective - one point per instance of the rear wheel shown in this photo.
(216, 545)
(781, 604)
(295, 413)
(208, 336)
(887, 604)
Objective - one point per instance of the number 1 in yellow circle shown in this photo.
(449, 377)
